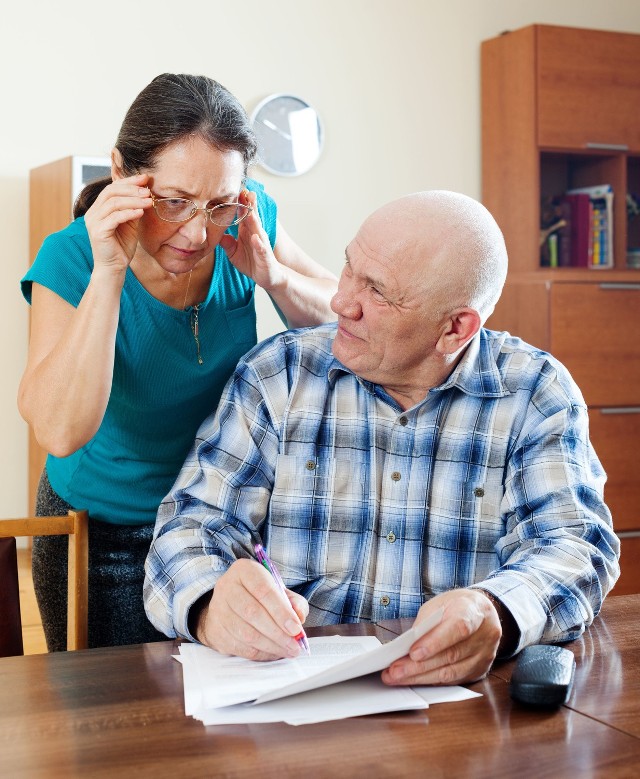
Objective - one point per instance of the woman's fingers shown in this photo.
(112, 220)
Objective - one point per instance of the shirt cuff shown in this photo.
(524, 606)
(201, 580)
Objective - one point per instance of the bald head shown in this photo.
(450, 242)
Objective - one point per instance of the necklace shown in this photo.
(184, 303)
(193, 319)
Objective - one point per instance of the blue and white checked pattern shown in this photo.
(368, 510)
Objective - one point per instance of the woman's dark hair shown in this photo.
(172, 107)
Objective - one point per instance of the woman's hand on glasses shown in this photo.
(112, 221)
(251, 253)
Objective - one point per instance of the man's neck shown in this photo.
(409, 395)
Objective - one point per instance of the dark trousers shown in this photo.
(116, 574)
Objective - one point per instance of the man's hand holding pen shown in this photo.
(248, 616)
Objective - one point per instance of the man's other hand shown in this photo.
(461, 648)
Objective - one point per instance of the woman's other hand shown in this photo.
(251, 253)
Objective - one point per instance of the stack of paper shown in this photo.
(340, 679)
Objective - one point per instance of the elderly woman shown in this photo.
(141, 308)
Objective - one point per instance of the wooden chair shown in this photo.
(75, 525)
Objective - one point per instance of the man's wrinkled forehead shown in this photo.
(369, 264)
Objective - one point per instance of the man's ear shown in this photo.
(460, 327)
(116, 164)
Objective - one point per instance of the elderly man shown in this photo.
(402, 460)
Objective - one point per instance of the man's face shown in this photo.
(385, 332)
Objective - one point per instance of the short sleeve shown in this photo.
(63, 264)
(267, 209)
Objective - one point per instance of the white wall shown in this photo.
(396, 83)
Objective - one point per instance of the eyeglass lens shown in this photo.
(176, 209)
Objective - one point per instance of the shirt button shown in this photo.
(403, 421)
(396, 476)
(311, 465)
(478, 492)
(385, 600)
(391, 536)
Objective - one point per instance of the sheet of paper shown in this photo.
(348, 699)
(355, 698)
(226, 681)
(375, 660)
(211, 677)
(433, 695)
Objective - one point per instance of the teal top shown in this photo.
(160, 392)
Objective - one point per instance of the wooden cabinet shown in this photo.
(596, 329)
(53, 189)
(588, 87)
(561, 109)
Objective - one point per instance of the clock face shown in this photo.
(289, 134)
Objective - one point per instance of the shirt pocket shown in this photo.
(317, 516)
(464, 527)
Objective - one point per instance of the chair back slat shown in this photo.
(76, 526)
(37, 526)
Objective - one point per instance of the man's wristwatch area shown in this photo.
(510, 630)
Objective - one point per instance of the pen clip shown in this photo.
(264, 559)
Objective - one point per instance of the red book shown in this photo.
(581, 232)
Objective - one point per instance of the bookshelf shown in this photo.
(560, 111)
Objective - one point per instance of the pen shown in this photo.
(264, 559)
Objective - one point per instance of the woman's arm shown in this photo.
(66, 385)
(306, 290)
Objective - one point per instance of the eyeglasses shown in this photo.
(180, 209)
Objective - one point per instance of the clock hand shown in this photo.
(272, 126)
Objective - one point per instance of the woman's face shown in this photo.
(193, 169)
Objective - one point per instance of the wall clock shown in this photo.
(289, 133)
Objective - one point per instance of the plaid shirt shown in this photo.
(369, 510)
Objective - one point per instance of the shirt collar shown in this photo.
(476, 374)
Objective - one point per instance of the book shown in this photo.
(601, 223)
(581, 233)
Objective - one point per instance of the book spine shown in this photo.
(581, 235)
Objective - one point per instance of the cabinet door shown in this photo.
(615, 435)
(595, 332)
(588, 84)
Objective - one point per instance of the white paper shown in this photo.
(433, 695)
(355, 698)
(226, 681)
(339, 681)
(375, 660)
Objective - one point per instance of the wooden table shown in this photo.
(118, 712)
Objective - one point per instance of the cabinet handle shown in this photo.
(621, 410)
(609, 146)
(619, 285)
